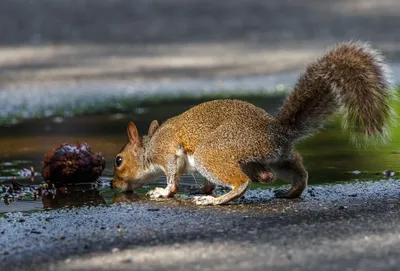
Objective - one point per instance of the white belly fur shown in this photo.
(190, 164)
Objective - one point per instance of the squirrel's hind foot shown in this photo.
(205, 200)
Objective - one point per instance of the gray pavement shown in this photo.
(124, 40)
(69, 55)
(340, 227)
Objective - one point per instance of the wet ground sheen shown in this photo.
(328, 155)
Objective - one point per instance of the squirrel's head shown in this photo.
(131, 169)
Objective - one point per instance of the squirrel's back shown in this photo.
(195, 124)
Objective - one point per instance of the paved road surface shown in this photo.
(124, 40)
(341, 227)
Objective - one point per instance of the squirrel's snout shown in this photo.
(124, 186)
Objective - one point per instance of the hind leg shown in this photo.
(258, 172)
(293, 170)
(220, 168)
(236, 192)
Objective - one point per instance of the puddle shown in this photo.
(328, 156)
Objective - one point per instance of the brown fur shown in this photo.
(350, 77)
(232, 142)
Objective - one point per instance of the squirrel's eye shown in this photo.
(118, 161)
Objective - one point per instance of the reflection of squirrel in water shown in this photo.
(232, 142)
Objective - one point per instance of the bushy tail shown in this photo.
(351, 78)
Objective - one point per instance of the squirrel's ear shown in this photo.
(133, 134)
(153, 128)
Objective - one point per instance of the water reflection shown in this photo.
(64, 197)
(72, 197)
(126, 197)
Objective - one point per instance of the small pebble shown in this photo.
(153, 209)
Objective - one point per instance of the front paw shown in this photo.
(204, 200)
(159, 193)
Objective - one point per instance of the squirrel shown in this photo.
(232, 142)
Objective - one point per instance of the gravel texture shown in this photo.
(341, 227)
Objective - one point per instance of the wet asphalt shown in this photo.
(340, 227)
